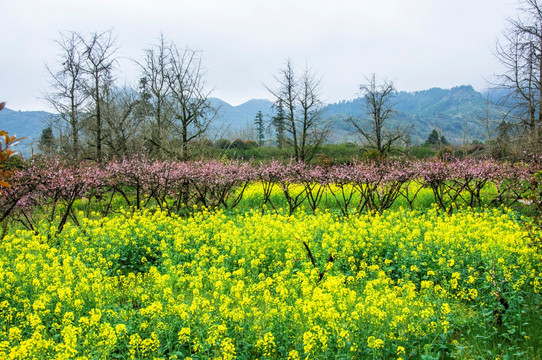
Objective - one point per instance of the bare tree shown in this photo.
(376, 129)
(122, 125)
(286, 98)
(311, 123)
(486, 121)
(191, 108)
(99, 62)
(520, 52)
(67, 96)
(300, 106)
(154, 76)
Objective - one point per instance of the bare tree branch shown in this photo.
(520, 52)
(375, 129)
(192, 110)
(99, 61)
(67, 96)
(300, 111)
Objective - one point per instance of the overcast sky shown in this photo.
(418, 44)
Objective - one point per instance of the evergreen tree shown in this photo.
(144, 105)
(278, 123)
(258, 121)
(443, 140)
(47, 141)
(435, 138)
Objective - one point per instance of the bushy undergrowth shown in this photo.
(144, 284)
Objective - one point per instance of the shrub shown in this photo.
(238, 144)
(421, 152)
(445, 153)
(223, 144)
(251, 144)
(373, 155)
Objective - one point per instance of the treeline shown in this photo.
(99, 119)
(168, 115)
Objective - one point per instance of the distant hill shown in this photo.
(452, 111)
(234, 119)
(24, 123)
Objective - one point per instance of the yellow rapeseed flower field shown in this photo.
(216, 285)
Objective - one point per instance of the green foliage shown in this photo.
(260, 127)
(278, 123)
(445, 153)
(134, 259)
(341, 153)
(46, 143)
(223, 143)
(534, 200)
(421, 152)
(373, 155)
(13, 162)
(251, 144)
(336, 153)
(435, 139)
(238, 144)
(263, 154)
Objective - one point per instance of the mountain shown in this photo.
(234, 119)
(24, 123)
(454, 112)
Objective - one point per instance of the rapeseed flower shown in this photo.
(223, 285)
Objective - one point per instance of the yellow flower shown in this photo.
(267, 344)
(293, 355)
(374, 343)
(95, 316)
(184, 335)
(228, 349)
(120, 329)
